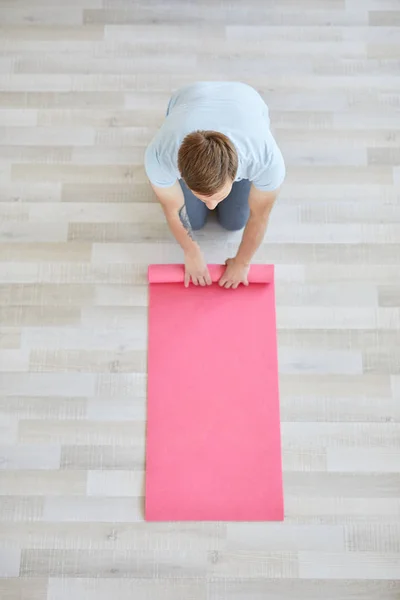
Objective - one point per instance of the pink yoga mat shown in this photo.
(213, 434)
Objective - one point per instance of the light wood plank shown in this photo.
(41, 482)
(125, 589)
(355, 565)
(82, 432)
(37, 384)
(10, 338)
(273, 536)
(9, 562)
(312, 589)
(24, 508)
(113, 563)
(15, 588)
(92, 509)
(114, 536)
(44, 407)
(64, 361)
(341, 509)
(14, 360)
(29, 457)
(332, 407)
(98, 457)
(382, 538)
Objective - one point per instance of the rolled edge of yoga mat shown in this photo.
(176, 273)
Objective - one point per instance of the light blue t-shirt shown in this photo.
(234, 109)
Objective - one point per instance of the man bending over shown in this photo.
(215, 150)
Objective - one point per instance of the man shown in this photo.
(215, 151)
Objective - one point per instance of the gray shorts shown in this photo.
(232, 212)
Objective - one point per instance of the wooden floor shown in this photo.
(84, 86)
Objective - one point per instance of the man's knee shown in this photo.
(197, 219)
(233, 222)
(196, 225)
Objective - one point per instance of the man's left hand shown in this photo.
(234, 274)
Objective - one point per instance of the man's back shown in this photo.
(232, 108)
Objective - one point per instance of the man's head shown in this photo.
(208, 163)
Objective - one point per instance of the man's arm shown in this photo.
(173, 205)
(260, 204)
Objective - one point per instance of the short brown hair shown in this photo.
(206, 159)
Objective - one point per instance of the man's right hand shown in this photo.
(196, 269)
(173, 203)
